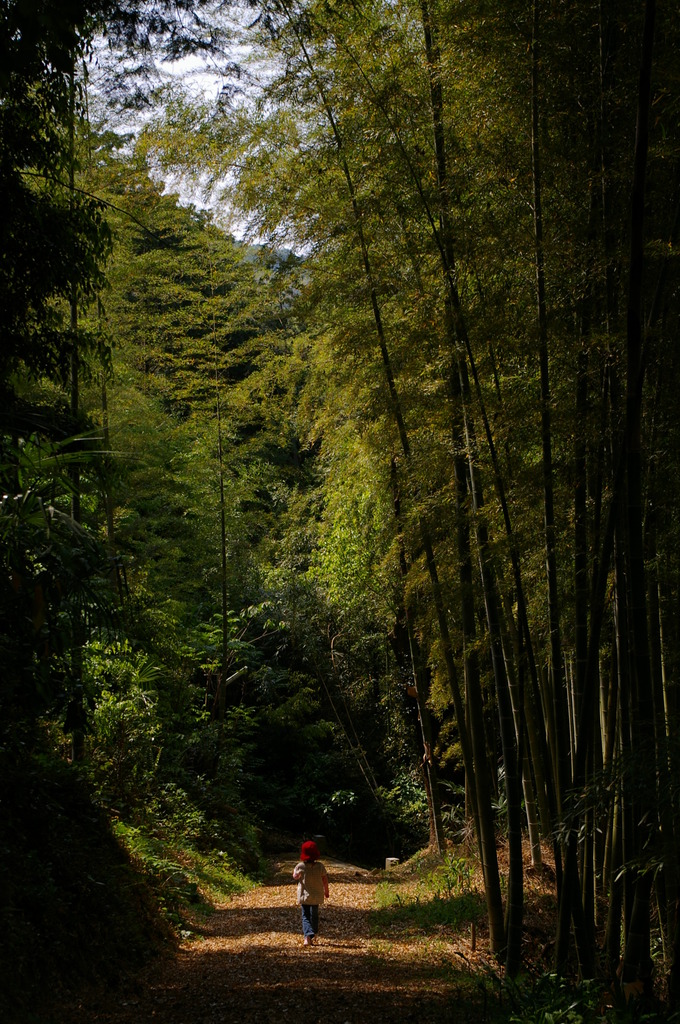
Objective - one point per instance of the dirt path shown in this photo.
(249, 964)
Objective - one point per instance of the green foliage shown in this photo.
(188, 306)
(180, 875)
(294, 765)
(198, 321)
(453, 809)
(455, 874)
(162, 763)
(405, 805)
(54, 582)
(126, 727)
(428, 913)
(353, 534)
(556, 1000)
(444, 896)
(54, 240)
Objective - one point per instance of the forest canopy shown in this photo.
(343, 500)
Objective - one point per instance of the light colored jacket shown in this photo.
(312, 881)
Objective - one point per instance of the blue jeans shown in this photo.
(310, 919)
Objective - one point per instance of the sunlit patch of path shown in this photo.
(248, 963)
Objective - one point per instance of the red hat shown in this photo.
(309, 851)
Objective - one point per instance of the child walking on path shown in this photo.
(312, 880)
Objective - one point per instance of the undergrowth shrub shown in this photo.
(404, 805)
(180, 875)
(168, 771)
(443, 896)
(551, 999)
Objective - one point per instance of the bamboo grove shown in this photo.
(470, 215)
(486, 200)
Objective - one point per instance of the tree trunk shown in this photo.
(557, 689)
(409, 658)
(457, 381)
(525, 725)
(637, 951)
(570, 897)
(76, 711)
(612, 940)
